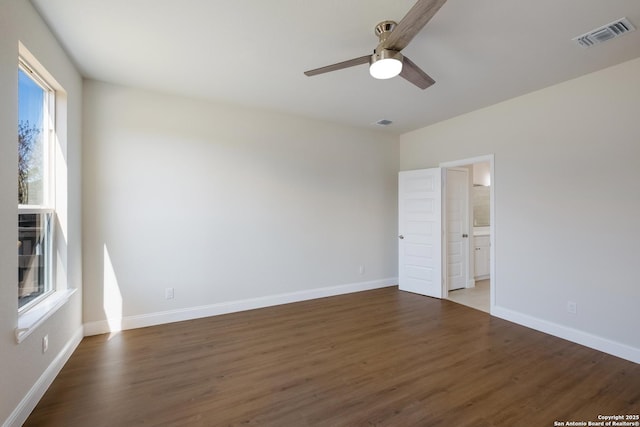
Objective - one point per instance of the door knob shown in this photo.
(401, 237)
(465, 235)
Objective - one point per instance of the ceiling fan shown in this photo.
(387, 61)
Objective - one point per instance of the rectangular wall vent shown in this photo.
(604, 33)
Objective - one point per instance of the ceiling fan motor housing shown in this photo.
(382, 30)
(389, 59)
(380, 54)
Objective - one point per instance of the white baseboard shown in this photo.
(158, 318)
(580, 337)
(31, 399)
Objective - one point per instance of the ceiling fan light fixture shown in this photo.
(385, 64)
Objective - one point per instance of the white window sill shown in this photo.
(29, 321)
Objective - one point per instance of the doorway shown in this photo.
(423, 263)
(479, 290)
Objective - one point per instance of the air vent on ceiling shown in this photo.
(604, 33)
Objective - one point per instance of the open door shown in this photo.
(419, 232)
(456, 220)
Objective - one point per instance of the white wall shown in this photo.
(24, 369)
(226, 204)
(567, 174)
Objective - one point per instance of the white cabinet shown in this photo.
(481, 255)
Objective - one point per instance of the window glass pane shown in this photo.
(34, 256)
(31, 134)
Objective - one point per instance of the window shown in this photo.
(36, 198)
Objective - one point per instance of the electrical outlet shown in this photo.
(572, 307)
(168, 293)
(45, 343)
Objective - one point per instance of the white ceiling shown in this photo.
(254, 52)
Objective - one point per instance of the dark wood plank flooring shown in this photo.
(382, 358)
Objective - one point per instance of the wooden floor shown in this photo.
(381, 358)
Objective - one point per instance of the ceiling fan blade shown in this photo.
(412, 23)
(339, 66)
(412, 73)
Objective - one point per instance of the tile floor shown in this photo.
(477, 297)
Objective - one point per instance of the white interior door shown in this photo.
(420, 235)
(457, 227)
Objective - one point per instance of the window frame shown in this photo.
(49, 187)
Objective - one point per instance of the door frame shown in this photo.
(492, 225)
